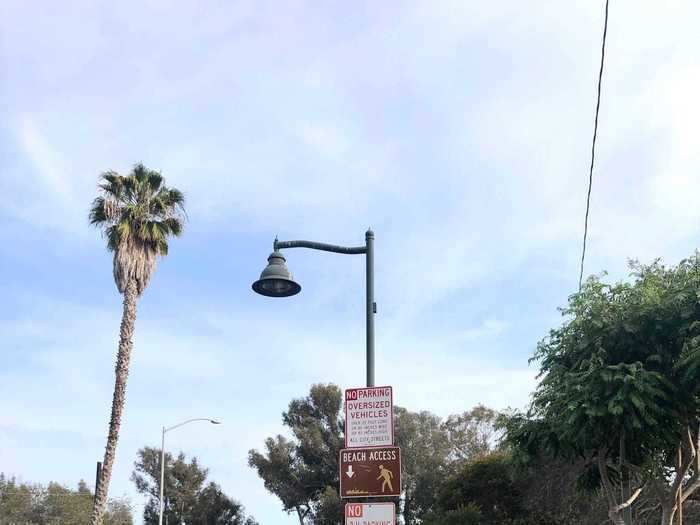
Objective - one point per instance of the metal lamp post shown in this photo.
(162, 457)
(277, 281)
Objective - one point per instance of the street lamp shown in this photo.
(276, 281)
(162, 457)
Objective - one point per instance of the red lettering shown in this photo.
(353, 511)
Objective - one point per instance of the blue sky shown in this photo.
(458, 130)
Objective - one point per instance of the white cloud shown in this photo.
(459, 131)
(325, 140)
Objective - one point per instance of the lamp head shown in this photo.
(276, 280)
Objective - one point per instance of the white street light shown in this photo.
(162, 457)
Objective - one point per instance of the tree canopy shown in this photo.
(188, 498)
(54, 504)
(619, 387)
(302, 470)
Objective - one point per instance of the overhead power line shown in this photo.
(595, 135)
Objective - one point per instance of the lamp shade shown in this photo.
(276, 280)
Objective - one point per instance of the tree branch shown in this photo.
(631, 499)
(671, 500)
(692, 486)
(607, 485)
(697, 456)
(690, 442)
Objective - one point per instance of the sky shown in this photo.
(459, 131)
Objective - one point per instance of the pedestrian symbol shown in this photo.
(386, 475)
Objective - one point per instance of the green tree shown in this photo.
(465, 515)
(330, 508)
(472, 433)
(213, 507)
(425, 458)
(118, 513)
(552, 495)
(595, 396)
(19, 502)
(303, 473)
(187, 496)
(620, 387)
(137, 214)
(285, 475)
(488, 482)
(54, 504)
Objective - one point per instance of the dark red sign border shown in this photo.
(379, 503)
(391, 416)
(355, 449)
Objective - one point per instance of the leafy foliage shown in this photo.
(304, 473)
(472, 433)
(619, 382)
(425, 458)
(54, 504)
(464, 515)
(488, 482)
(186, 496)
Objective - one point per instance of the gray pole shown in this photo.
(371, 306)
(162, 477)
(368, 250)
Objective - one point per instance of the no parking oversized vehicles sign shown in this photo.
(370, 514)
(369, 417)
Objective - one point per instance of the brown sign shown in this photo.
(370, 472)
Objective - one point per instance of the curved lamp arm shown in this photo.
(348, 250)
(368, 250)
(213, 421)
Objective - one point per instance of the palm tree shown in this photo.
(137, 214)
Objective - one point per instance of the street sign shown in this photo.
(370, 514)
(370, 472)
(369, 417)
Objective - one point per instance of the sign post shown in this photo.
(369, 417)
(370, 513)
(370, 472)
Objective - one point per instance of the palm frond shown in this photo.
(175, 197)
(112, 238)
(97, 214)
(112, 184)
(162, 248)
(174, 226)
(130, 189)
(154, 180)
(137, 214)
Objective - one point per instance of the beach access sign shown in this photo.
(370, 514)
(370, 472)
(369, 417)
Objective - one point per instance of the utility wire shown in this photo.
(595, 135)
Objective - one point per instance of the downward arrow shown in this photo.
(350, 473)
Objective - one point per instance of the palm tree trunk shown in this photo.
(126, 333)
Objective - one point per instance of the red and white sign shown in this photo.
(370, 514)
(369, 417)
